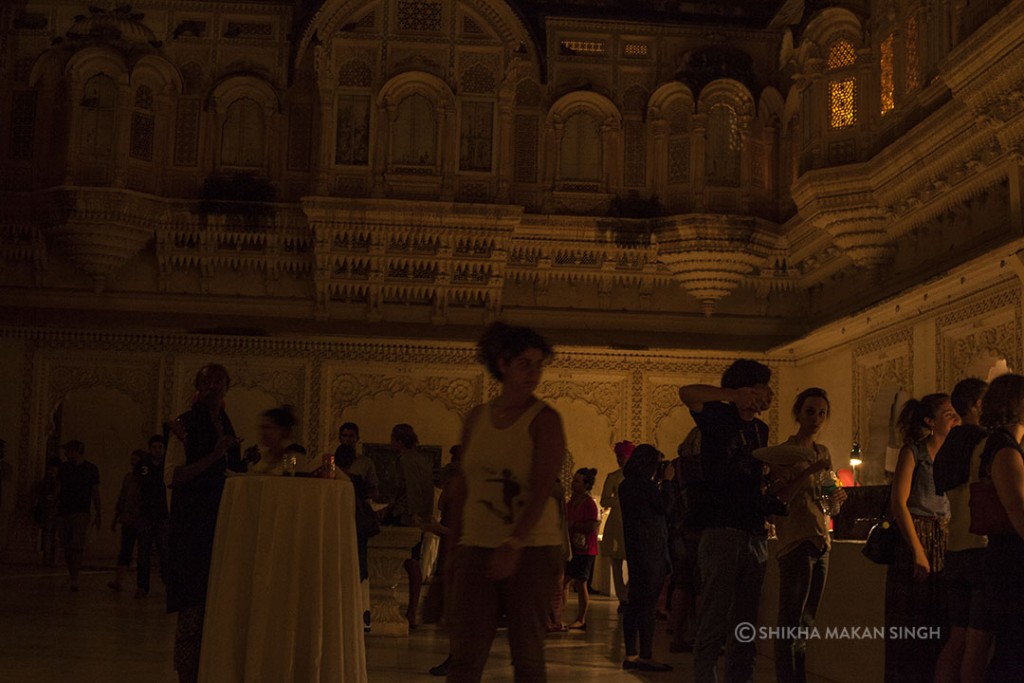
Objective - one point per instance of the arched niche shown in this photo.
(111, 424)
(434, 400)
(588, 435)
(245, 405)
(881, 442)
(672, 429)
(825, 27)
(501, 19)
(158, 72)
(411, 99)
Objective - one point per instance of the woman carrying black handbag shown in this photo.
(914, 595)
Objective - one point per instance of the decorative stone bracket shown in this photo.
(711, 255)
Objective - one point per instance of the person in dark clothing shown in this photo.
(1002, 462)
(79, 489)
(733, 551)
(965, 654)
(953, 461)
(345, 455)
(152, 520)
(44, 510)
(126, 513)
(644, 523)
(204, 449)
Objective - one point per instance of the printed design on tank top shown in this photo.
(510, 490)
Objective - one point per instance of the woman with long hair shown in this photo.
(803, 539)
(914, 596)
(582, 516)
(1002, 461)
(507, 512)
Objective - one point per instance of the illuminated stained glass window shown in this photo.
(841, 54)
(885, 68)
(910, 43)
(842, 99)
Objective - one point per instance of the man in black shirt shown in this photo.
(966, 652)
(733, 551)
(151, 524)
(79, 488)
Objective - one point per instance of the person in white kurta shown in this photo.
(613, 544)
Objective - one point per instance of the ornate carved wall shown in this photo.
(980, 331)
(603, 395)
(413, 161)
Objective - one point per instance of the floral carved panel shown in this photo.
(883, 361)
(985, 328)
(458, 393)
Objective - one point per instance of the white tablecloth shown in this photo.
(284, 602)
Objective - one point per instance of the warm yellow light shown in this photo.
(855, 462)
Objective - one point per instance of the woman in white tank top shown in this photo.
(507, 513)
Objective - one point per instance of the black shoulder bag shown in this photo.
(883, 538)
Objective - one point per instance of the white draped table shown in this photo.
(284, 602)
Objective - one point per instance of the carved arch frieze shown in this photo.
(458, 393)
(882, 361)
(985, 326)
(608, 398)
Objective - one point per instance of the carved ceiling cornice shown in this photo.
(990, 61)
(992, 272)
(273, 243)
(601, 252)
(841, 203)
(711, 255)
(661, 29)
(425, 252)
(98, 229)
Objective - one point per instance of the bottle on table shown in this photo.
(328, 470)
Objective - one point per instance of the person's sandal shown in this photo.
(577, 626)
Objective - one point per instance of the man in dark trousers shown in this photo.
(79, 488)
(733, 550)
(151, 524)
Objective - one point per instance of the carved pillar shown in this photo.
(815, 116)
(277, 142)
(657, 160)
(326, 80)
(163, 138)
(387, 116)
(868, 101)
(324, 160)
(73, 138)
(698, 137)
(611, 143)
(210, 120)
(503, 154)
(386, 554)
(448, 149)
(552, 151)
(122, 134)
(746, 157)
(769, 135)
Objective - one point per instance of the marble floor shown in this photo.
(49, 634)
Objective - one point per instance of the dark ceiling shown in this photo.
(745, 12)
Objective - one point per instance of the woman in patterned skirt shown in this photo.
(915, 606)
